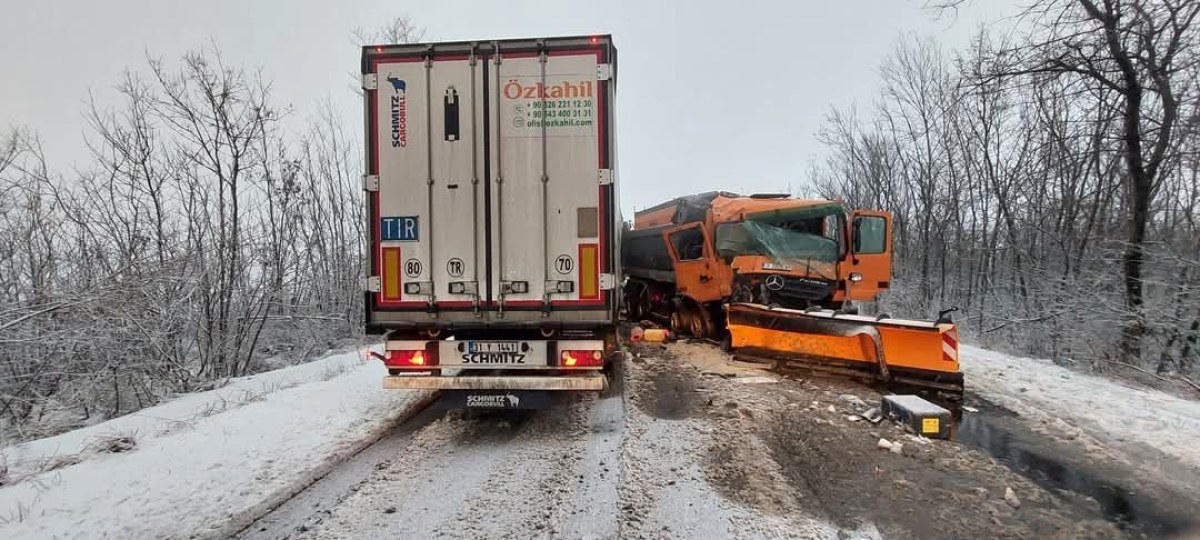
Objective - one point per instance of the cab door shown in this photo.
(870, 254)
(696, 273)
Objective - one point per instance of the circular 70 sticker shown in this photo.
(564, 264)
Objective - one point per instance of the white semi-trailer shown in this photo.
(493, 216)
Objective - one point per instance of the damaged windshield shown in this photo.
(800, 237)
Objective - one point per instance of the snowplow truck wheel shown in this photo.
(696, 323)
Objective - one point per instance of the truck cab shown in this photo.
(721, 247)
(799, 253)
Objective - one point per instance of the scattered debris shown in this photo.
(919, 439)
(853, 399)
(918, 415)
(1010, 497)
(854, 418)
(754, 380)
(884, 444)
(832, 408)
(969, 408)
(897, 448)
(656, 335)
(873, 415)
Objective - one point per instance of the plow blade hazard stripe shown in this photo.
(950, 347)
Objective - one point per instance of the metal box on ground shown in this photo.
(921, 416)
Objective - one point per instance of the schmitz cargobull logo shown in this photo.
(492, 401)
(399, 112)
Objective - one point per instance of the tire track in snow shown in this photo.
(489, 475)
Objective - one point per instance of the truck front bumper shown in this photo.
(595, 381)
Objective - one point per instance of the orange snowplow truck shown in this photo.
(687, 257)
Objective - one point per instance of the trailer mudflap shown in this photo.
(495, 399)
(594, 381)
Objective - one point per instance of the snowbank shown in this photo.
(202, 461)
(1107, 410)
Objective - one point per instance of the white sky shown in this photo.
(712, 95)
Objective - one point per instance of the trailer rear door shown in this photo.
(490, 181)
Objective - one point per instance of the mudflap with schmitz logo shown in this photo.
(494, 399)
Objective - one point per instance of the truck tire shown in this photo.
(633, 308)
(615, 373)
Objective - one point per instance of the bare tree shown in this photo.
(1037, 184)
(1141, 53)
(402, 29)
(201, 241)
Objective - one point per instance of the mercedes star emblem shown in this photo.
(775, 282)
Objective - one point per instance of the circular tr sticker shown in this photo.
(455, 267)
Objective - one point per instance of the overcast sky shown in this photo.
(712, 95)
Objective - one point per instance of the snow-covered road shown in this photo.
(687, 445)
(591, 467)
(202, 463)
(690, 447)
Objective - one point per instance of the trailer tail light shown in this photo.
(417, 358)
(581, 358)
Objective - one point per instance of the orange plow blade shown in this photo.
(902, 352)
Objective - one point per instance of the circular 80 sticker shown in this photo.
(412, 268)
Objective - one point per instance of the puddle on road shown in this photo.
(992, 429)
